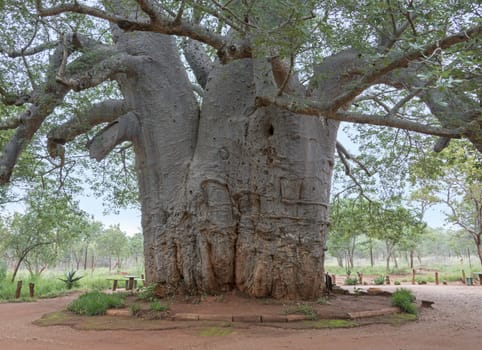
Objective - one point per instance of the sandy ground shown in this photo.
(455, 322)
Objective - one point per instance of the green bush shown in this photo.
(157, 306)
(135, 308)
(96, 303)
(403, 298)
(379, 280)
(300, 309)
(351, 281)
(148, 293)
(3, 270)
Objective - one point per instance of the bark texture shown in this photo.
(254, 212)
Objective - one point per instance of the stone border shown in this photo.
(258, 318)
(239, 318)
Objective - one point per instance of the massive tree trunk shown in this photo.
(232, 196)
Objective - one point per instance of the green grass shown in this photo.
(96, 303)
(403, 298)
(300, 309)
(351, 281)
(135, 308)
(157, 306)
(49, 285)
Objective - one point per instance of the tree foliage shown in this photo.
(455, 179)
(37, 237)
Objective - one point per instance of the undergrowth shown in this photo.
(96, 303)
(403, 298)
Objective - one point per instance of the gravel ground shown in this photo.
(454, 322)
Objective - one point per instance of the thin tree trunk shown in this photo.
(372, 260)
(86, 250)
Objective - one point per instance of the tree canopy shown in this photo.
(418, 69)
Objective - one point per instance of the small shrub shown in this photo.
(303, 309)
(379, 280)
(71, 280)
(403, 298)
(397, 283)
(351, 281)
(96, 303)
(148, 293)
(135, 308)
(321, 300)
(3, 270)
(157, 306)
(421, 281)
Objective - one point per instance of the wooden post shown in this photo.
(463, 276)
(436, 278)
(31, 287)
(413, 276)
(387, 279)
(114, 286)
(360, 277)
(130, 286)
(19, 289)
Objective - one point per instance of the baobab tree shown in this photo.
(234, 162)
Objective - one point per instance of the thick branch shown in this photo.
(381, 68)
(103, 112)
(12, 123)
(33, 50)
(198, 59)
(307, 107)
(126, 128)
(101, 71)
(158, 22)
(45, 99)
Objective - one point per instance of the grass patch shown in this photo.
(399, 319)
(215, 332)
(96, 303)
(135, 308)
(300, 309)
(55, 318)
(379, 280)
(157, 306)
(336, 323)
(403, 298)
(351, 281)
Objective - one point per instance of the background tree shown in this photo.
(234, 184)
(395, 226)
(455, 179)
(349, 220)
(37, 237)
(136, 247)
(113, 243)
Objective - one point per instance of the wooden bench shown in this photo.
(479, 275)
(130, 282)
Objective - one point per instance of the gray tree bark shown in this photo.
(233, 196)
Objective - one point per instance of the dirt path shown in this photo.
(455, 322)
